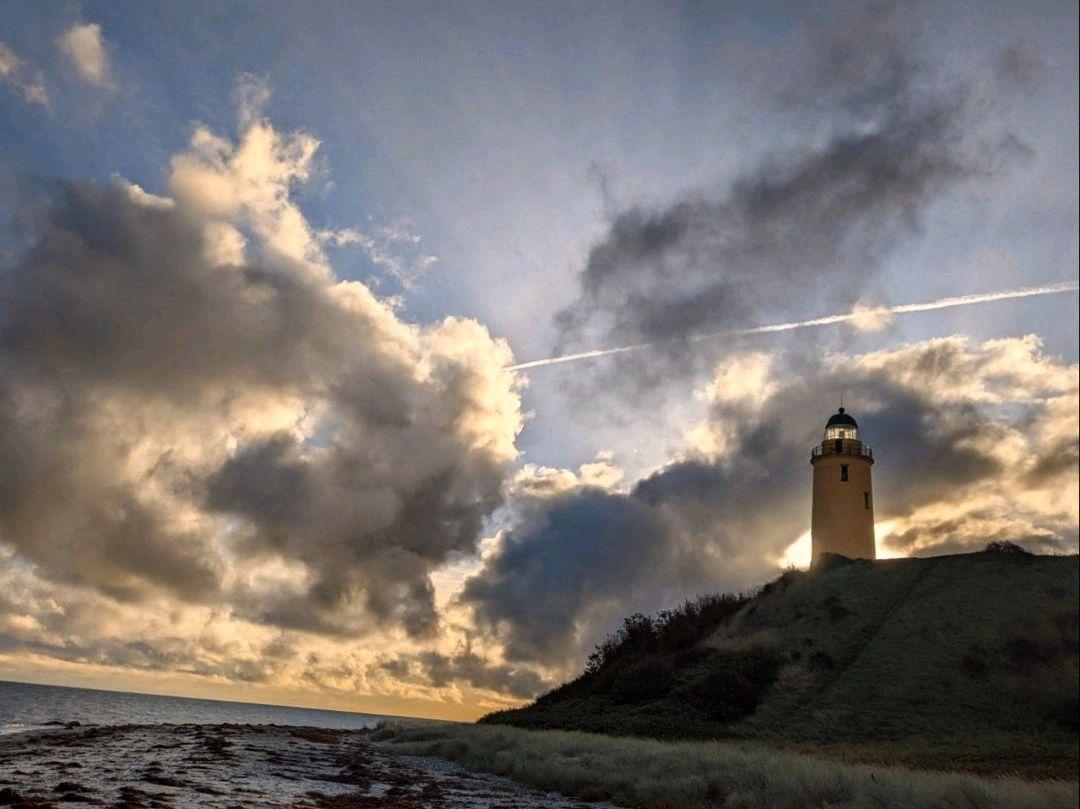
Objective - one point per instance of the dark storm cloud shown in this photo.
(579, 560)
(304, 510)
(584, 552)
(806, 227)
(466, 667)
(151, 400)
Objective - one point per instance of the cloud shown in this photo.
(809, 224)
(393, 249)
(223, 460)
(870, 318)
(85, 48)
(974, 443)
(73, 626)
(28, 83)
(437, 670)
(196, 410)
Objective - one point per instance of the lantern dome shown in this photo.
(841, 425)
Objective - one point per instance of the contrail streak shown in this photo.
(828, 320)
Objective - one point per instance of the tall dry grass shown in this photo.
(685, 775)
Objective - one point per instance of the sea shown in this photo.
(26, 706)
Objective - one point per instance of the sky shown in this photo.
(273, 277)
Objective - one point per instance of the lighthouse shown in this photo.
(842, 517)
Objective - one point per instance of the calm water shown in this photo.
(24, 707)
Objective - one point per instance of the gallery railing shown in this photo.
(841, 446)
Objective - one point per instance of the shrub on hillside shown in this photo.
(1068, 629)
(1067, 712)
(668, 632)
(1007, 548)
(686, 625)
(731, 684)
(642, 681)
(1024, 654)
(835, 610)
(780, 584)
(636, 637)
(973, 663)
(823, 661)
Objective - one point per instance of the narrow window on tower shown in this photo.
(866, 500)
(843, 471)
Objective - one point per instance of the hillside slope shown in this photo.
(968, 660)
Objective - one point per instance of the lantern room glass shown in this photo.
(842, 431)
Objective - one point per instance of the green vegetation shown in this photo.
(685, 775)
(964, 662)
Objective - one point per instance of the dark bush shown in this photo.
(1025, 654)
(780, 584)
(838, 612)
(642, 681)
(670, 631)
(973, 665)
(637, 636)
(822, 660)
(692, 656)
(835, 610)
(694, 620)
(1067, 713)
(730, 685)
(1068, 627)
(1008, 548)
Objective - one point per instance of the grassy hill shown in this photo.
(965, 662)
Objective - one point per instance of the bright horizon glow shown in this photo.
(858, 315)
(798, 553)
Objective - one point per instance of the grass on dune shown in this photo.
(684, 775)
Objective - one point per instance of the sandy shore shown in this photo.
(239, 765)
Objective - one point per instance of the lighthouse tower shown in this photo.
(842, 519)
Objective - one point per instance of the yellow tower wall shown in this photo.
(842, 519)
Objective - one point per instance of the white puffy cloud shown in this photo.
(21, 78)
(85, 48)
(197, 412)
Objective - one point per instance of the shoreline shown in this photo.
(153, 766)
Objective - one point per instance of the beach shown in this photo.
(228, 765)
(431, 764)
